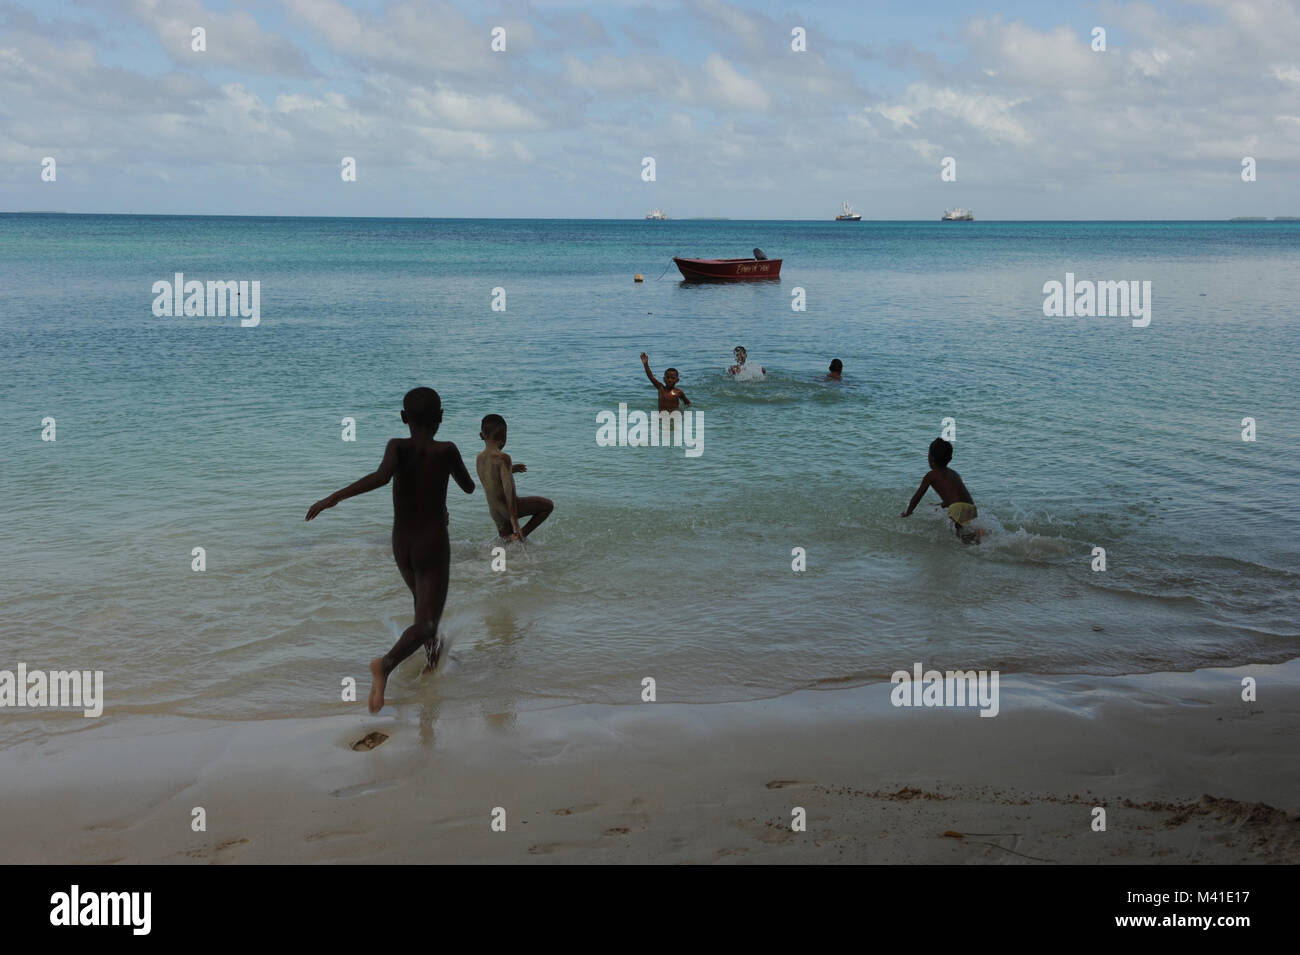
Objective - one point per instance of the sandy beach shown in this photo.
(1186, 771)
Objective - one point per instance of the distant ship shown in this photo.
(958, 215)
(657, 214)
(847, 214)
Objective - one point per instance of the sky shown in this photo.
(739, 123)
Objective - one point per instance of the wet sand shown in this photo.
(1186, 771)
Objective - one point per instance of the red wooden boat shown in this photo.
(728, 270)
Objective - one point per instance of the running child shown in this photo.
(419, 468)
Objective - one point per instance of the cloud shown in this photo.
(414, 38)
(233, 39)
(1170, 90)
(638, 74)
(726, 87)
(466, 111)
(991, 116)
(715, 84)
(713, 91)
(1018, 55)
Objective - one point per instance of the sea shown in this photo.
(1136, 484)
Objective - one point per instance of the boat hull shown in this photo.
(728, 270)
(854, 218)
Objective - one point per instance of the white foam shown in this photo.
(1018, 543)
(749, 371)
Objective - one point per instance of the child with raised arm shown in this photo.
(496, 471)
(948, 484)
(419, 468)
(669, 393)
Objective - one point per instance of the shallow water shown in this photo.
(1071, 433)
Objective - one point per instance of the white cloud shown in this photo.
(233, 39)
(413, 85)
(413, 37)
(728, 88)
(990, 115)
(466, 111)
(1017, 54)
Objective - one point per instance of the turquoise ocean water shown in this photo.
(1072, 433)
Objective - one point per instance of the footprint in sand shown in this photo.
(362, 789)
(339, 834)
(107, 826)
(369, 741)
(769, 832)
(546, 848)
(723, 853)
(226, 851)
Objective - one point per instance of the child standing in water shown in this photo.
(496, 472)
(669, 393)
(947, 483)
(419, 468)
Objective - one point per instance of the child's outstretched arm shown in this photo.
(458, 471)
(916, 498)
(645, 361)
(377, 478)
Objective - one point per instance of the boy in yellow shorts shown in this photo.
(947, 483)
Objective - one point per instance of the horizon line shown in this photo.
(218, 215)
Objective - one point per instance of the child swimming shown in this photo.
(741, 368)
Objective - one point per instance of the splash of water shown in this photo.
(1018, 543)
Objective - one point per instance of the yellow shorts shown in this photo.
(962, 513)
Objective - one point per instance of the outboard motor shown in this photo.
(758, 254)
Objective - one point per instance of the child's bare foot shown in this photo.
(432, 651)
(377, 683)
